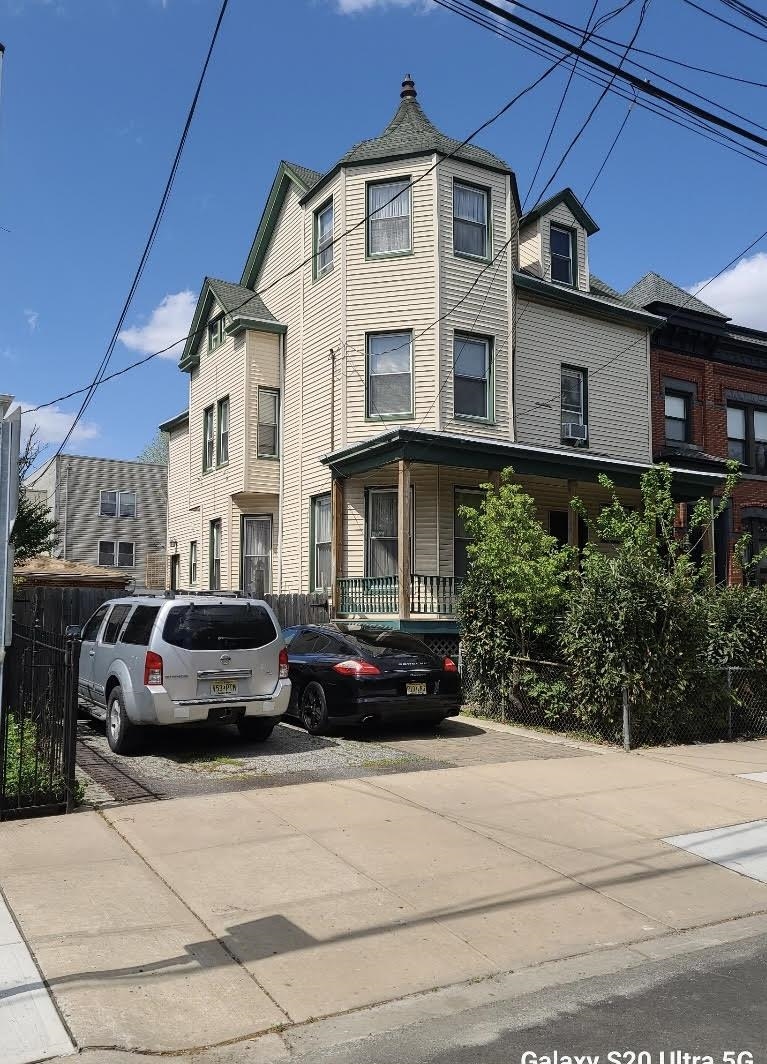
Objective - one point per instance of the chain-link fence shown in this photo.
(731, 705)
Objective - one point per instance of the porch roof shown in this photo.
(477, 452)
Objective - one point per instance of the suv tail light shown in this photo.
(449, 665)
(283, 664)
(356, 668)
(153, 669)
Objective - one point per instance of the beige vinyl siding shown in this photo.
(485, 310)
(618, 406)
(251, 505)
(449, 480)
(530, 257)
(561, 215)
(263, 371)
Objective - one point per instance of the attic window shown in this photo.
(215, 332)
(562, 255)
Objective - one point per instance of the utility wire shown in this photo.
(91, 389)
(726, 22)
(610, 150)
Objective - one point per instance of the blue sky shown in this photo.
(95, 93)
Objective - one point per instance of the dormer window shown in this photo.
(389, 217)
(562, 255)
(470, 220)
(215, 332)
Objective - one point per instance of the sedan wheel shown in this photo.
(314, 709)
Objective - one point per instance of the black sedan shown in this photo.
(349, 674)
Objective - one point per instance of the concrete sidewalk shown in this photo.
(207, 920)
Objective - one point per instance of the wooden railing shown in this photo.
(435, 595)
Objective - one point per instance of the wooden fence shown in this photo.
(53, 608)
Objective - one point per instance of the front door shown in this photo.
(256, 556)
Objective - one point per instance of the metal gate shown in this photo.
(38, 724)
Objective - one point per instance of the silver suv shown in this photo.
(180, 660)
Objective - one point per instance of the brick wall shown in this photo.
(709, 417)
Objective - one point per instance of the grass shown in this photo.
(27, 783)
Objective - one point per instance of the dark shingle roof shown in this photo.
(599, 287)
(235, 298)
(306, 176)
(653, 288)
(571, 201)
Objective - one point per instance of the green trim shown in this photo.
(274, 391)
(584, 302)
(219, 404)
(316, 276)
(573, 204)
(488, 256)
(238, 324)
(403, 415)
(206, 468)
(188, 356)
(370, 256)
(414, 627)
(313, 539)
(489, 383)
(218, 334)
(283, 179)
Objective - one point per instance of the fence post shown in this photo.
(71, 705)
(729, 705)
(626, 718)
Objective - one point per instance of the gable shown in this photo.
(287, 177)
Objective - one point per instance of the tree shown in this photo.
(35, 531)
(156, 452)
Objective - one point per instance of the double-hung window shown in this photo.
(321, 536)
(573, 405)
(256, 555)
(268, 441)
(214, 547)
(471, 377)
(390, 376)
(388, 212)
(323, 237)
(222, 438)
(208, 439)
(117, 504)
(117, 552)
(193, 562)
(471, 215)
(562, 254)
(215, 332)
(747, 436)
(677, 416)
(471, 499)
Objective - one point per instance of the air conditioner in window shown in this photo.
(572, 430)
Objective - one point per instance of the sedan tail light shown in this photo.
(356, 668)
(153, 669)
(449, 665)
(283, 664)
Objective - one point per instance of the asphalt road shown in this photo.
(707, 1003)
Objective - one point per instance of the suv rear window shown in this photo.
(212, 627)
(139, 627)
(380, 642)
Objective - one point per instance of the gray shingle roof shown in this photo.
(652, 288)
(599, 287)
(309, 177)
(236, 298)
(571, 201)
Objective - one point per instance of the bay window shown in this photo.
(388, 209)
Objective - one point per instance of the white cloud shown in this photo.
(351, 7)
(32, 317)
(53, 424)
(741, 292)
(168, 322)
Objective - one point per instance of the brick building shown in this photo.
(709, 402)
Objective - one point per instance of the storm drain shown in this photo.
(118, 783)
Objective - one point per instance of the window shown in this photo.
(559, 526)
(106, 552)
(222, 439)
(215, 332)
(464, 497)
(219, 626)
(677, 409)
(757, 529)
(215, 556)
(389, 374)
(127, 504)
(115, 623)
(471, 377)
(562, 255)
(573, 406)
(207, 439)
(383, 544)
(323, 240)
(321, 525)
(747, 437)
(108, 506)
(116, 553)
(91, 627)
(125, 555)
(256, 555)
(268, 441)
(139, 628)
(193, 562)
(389, 217)
(470, 220)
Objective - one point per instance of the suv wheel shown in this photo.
(257, 729)
(122, 736)
(314, 709)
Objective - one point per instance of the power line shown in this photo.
(726, 22)
(91, 389)
(610, 150)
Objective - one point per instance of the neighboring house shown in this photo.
(339, 418)
(709, 385)
(109, 512)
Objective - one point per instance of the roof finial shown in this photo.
(408, 88)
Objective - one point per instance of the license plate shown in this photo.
(221, 688)
(415, 688)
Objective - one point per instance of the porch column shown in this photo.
(403, 536)
(336, 539)
(572, 516)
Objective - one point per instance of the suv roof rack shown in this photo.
(194, 593)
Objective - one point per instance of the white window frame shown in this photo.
(115, 544)
(406, 191)
(222, 431)
(109, 491)
(317, 500)
(268, 424)
(120, 504)
(208, 438)
(321, 269)
(372, 413)
(571, 236)
(193, 561)
(485, 192)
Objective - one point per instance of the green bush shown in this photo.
(738, 627)
(26, 781)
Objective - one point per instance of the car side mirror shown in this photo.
(73, 631)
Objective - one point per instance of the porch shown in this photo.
(429, 596)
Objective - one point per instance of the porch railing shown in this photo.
(435, 595)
